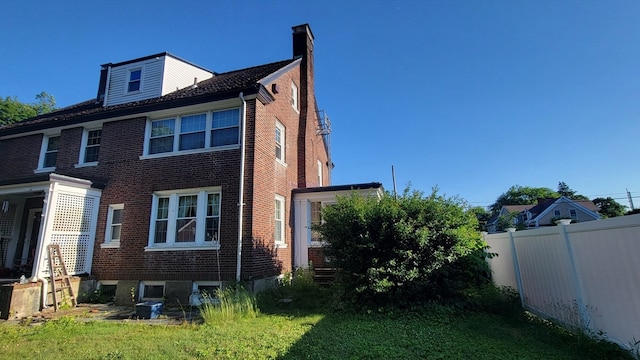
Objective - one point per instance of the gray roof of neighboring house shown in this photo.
(221, 86)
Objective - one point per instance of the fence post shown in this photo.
(516, 267)
(582, 309)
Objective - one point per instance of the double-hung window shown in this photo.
(278, 231)
(316, 219)
(193, 132)
(280, 142)
(114, 225)
(574, 214)
(185, 219)
(49, 154)
(90, 146)
(135, 79)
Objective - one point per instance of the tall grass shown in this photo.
(233, 302)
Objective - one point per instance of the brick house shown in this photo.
(141, 186)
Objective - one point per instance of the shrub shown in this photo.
(402, 251)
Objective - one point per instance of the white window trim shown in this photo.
(83, 149)
(43, 151)
(295, 97)
(283, 143)
(128, 80)
(283, 211)
(171, 244)
(108, 242)
(141, 294)
(177, 133)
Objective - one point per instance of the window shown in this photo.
(556, 213)
(574, 214)
(319, 173)
(135, 78)
(90, 146)
(114, 225)
(50, 151)
(278, 231)
(207, 291)
(225, 128)
(316, 219)
(151, 290)
(294, 96)
(185, 219)
(280, 142)
(191, 132)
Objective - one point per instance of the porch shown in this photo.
(39, 211)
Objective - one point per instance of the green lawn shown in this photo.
(436, 334)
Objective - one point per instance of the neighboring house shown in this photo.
(173, 179)
(545, 212)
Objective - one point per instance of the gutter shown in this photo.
(241, 188)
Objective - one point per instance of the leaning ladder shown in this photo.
(60, 280)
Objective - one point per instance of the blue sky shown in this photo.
(469, 96)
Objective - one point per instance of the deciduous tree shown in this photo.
(608, 207)
(12, 110)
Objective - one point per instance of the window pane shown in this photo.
(116, 217)
(50, 159)
(162, 127)
(160, 235)
(213, 205)
(278, 152)
(278, 231)
(91, 154)
(187, 206)
(93, 137)
(115, 232)
(53, 143)
(212, 229)
(163, 208)
(154, 291)
(227, 118)
(192, 141)
(161, 145)
(134, 86)
(186, 230)
(225, 137)
(135, 75)
(193, 123)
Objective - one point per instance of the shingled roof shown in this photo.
(221, 86)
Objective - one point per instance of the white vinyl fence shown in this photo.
(584, 275)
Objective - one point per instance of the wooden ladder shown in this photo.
(60, 280)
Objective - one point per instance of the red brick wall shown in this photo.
(19, 156)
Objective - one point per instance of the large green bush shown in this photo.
(403, 251)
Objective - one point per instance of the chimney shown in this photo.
(102, 86)
(303, 48)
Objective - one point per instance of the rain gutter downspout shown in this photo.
(241, 189)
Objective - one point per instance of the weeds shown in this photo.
(234, 302)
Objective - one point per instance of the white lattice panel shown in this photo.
(75, 252)
(7, 220)
(73, 213)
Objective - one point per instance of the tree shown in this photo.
(522, 195)
(12, 110)
(482, 215)
(399, 252)
(566, 191)
(608, 207)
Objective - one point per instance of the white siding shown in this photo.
(151, 83)
(178, 75)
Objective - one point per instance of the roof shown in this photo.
(363, 186)
(546, 203)
(221, 86)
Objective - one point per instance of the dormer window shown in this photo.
(135, 77)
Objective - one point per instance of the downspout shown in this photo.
(37, 270)
(241, 190)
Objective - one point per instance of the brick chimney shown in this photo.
(303, 47)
